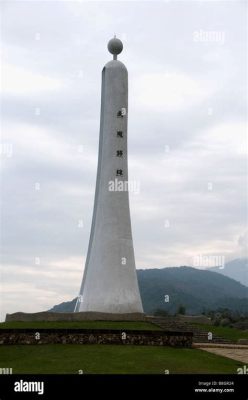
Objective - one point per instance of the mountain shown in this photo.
(197, 290)
(66, 306)
(236, 269)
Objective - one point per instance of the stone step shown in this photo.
(199, 335)
(220, 346)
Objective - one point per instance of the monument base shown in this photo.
(78, 316)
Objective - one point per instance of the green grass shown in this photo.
(112, 359)
(226, 332)
(120, 325)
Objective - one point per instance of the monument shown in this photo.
(109, 282)
(109, 289)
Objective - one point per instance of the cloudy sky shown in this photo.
(187, 136)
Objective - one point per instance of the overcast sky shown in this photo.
(187, 136)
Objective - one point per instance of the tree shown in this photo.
(181, 310)
(160, 313)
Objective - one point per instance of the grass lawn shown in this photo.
(112, 359)
(125, 325)
(226, 332)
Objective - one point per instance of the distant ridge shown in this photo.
(197, 290)
(236, 269)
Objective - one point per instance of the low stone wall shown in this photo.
(89, 336)
(243, 341)
(79, 316)
(194, 319)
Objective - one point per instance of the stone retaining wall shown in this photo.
(87, 336)
(77, 316)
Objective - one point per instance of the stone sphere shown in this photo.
(115, 46)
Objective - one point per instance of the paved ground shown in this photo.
(239, 353)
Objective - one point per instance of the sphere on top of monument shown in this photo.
(115, 46)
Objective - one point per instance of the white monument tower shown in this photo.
(110, 282)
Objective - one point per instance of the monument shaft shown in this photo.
(110, 282)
